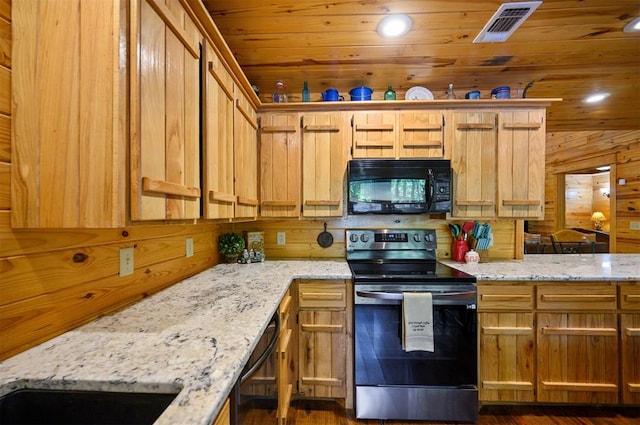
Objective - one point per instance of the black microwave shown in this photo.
(398, 186)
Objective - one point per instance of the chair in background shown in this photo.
(571, 241)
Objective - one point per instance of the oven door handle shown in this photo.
(398, 296)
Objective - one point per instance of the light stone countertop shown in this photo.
(195, 337)
(565, 267)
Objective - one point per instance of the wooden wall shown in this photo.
(576, 152)
(301, 235)
(52, 281)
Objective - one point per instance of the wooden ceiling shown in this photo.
(568, 48)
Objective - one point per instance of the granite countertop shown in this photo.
(195, 337)
(192, 338)
(565, 267)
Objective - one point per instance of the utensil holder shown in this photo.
(458, 249)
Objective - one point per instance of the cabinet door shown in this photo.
(630, 342)
(473, 160)
(280, 165)
(165, 113)
(246, 158)
(420, 134)
(506, 355)
(374, 135)
(68, 160)
(323, 164)
(521, 156)
(220, 199)
(322, 353)
(577, 358)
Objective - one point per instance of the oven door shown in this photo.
(418, 385)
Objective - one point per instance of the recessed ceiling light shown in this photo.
(633, 26)
(394, 26)
(595, 98)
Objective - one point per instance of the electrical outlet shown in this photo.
(634, 225)
(282, 238)
(189, 247)
(126, 261)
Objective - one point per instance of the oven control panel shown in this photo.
(391, 239)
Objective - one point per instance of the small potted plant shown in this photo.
(230, 246)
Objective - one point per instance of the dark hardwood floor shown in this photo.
(306, 412)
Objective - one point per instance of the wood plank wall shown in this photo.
(55, 280)
(575, 152)
(301, 235)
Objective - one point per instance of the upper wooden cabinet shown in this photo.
(498, 163)
(280, 165)
(245, 157)
(398, 134)
(324, 154)
(165, 112)
(219, 196)
(69, 114)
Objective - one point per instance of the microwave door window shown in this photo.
(392, 191)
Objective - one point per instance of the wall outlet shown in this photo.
(634, 225)
(281, 238)
(189, 247)
(126, 261)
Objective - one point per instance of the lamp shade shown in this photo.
(598, 216)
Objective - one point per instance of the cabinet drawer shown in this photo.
(322, 294)
(576, 298)
(630, 297)
(505, 297)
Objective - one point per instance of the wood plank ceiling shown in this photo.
(568, 48)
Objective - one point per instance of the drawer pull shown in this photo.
(579, 386)
(493, 330)
(580, 331)
(321, 381)
(632, 298)
(321, 328)
(632, 332)
(322, 296)
(600, 298)
(492, 297)
(633, 388)
(507, 385)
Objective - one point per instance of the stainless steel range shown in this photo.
(438, 383)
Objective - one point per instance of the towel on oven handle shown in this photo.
(417, 322)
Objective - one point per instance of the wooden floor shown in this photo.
(304, 412)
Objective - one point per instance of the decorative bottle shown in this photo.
(390, 94)
(280, 95)
(305, 93)
(450, 93)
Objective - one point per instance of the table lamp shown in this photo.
(597, 218)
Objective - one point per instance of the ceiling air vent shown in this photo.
(505, 21)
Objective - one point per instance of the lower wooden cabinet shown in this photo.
(630, 343)
(323, 343)
(552, 342)
(507, 343)
(577, 358)
(224, 417)
(284, 355)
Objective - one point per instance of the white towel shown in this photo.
(417, 322)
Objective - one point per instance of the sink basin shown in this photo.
(39, 406)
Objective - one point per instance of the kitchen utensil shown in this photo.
(418, 93)
(331, 95)
(361, 93)
(455, 231)
(325, 239)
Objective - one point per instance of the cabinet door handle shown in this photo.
(481, 203)
(522, 125)
(635, 332)
(168, 188)
(325, 128)
(331, 296)
(248, 201)
(321, 328)
(580, 331)
(374, 127)
(520, 203)
(278, 203)
(320, 203)
(474, 126)
(279, 129)
(222, 197)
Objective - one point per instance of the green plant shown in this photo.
(230, 245)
